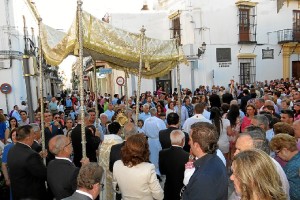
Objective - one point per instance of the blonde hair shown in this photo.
(257, 174)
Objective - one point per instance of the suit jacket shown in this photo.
(92, 143)
(209, 181)
(27, 173)
(48, 135)
(165, 141)
(172, 164)
(36, 147)
(62, 178)
(137, 182)
(77, 196)
(244, 101)
(115, 154)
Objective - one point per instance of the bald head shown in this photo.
(61, 146)
(129, 130)
(243, 143)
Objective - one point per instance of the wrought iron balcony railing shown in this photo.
(288, 35)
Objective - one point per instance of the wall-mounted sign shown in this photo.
(223, 54)
(267, 53)
(5, 88)
(105, 70)
(225, 64)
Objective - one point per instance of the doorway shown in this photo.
(296, 69)
(165, 83)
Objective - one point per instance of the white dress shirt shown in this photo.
(196, 118)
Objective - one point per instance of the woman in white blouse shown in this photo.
(133, 176)
(171, 108)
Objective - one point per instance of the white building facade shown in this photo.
(13, 14)
(247, 41)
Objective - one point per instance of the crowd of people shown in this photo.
(172, 149)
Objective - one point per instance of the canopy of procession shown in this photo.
(119, 48)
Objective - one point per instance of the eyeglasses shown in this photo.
(68, 144)
(56, 117)
(277, 151)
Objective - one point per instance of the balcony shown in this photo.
(288, 35)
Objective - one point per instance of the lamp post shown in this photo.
(27, 75)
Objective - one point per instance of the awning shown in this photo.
(119, 48)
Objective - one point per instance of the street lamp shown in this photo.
(201, 50)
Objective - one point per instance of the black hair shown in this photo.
(172, 119)
(114, 128)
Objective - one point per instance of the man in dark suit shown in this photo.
(92, 142)
(164, 135)
(52, 128)
(61, 172)
(26, 170)
(209, 180)
(172, 164)
(115, 152)
(89, 186)
(37, 136)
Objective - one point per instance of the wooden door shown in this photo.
(244, 25)
(296, 69)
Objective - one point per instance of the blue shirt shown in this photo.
(17, 115)
(114, 101)
(143, 116)
(292, 171)
(2, 130)
(110, 114)
(68, 103)
(52, 106)
(5, 152)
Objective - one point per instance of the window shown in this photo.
(247, 24)
(296, 25)
(175, 28)
(247, 71)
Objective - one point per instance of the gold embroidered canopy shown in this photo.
(119, 48)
